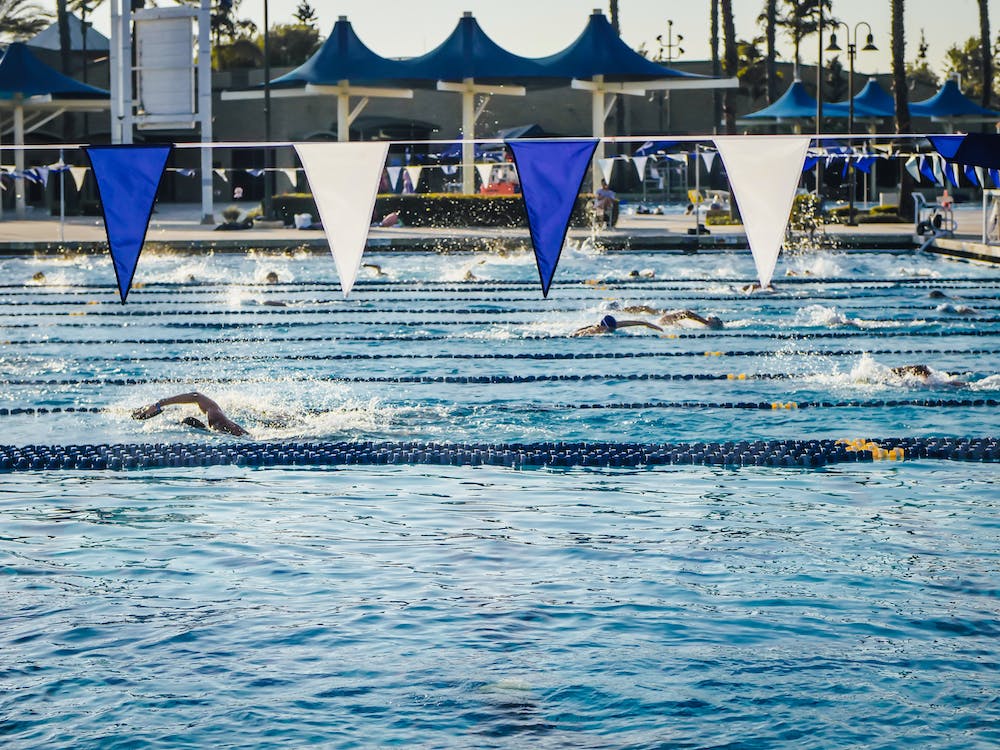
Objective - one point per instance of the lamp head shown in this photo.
(870, 44)
(833, 46)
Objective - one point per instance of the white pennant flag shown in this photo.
(485, 173)
(954, 169)
(607, 166)
(709, 158)
(764, 172)
(78, 174)
(913, 167)
(981, 176)
(640, 166)
(414, 173)
(221, 174)
(43, 174)
(394, 173)
(344, 178)
(292, 175)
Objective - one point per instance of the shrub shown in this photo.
(437, 209)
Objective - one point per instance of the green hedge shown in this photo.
(437, 209)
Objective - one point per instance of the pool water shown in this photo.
(450, 606)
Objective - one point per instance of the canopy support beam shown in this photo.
(19, 157)
(468, 89)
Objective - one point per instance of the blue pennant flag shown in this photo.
(927, 169)
(995, 176)
(978, 149)
(127, 180)
(551, 174)
(809, 163)
(971, 176)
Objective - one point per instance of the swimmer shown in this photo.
(633, 309)
(38, 278)
(609, 324)
(271, 278)
(217, 419)
(679, 316)
(375, 268)
(756, 287)
(924, 374)
(949, 307)
(646, 273)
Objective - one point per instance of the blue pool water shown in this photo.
(435, 606)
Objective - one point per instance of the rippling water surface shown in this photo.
(853, 606)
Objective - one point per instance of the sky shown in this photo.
(403, 28)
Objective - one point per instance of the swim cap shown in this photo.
(609, 322)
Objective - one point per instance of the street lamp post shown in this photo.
(268, 207)
(852, 51)
(670, 48)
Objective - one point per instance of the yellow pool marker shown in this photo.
(780, 405)
(878, 452)
(732, 376)
(77, 313)
(93, 302)
(713, 354)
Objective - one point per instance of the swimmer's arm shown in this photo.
(204, 403)
(627, 323)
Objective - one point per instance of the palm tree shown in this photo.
(900, 91)
(716, 66)
(984, 36)
(801, 19)
(731, 64)
(770, 20)
(22, 19)
(619, 99)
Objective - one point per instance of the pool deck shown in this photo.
(177, 226)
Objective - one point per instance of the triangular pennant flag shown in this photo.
(127, 180)
(607, 167)
(292, 175)
(551, 175)
(394, 173)
(927, 169)
(980, 176)
(913, 167)
(414, 173)
(764, 173)
(640, 166)
(344, 178)
(221, 174)
(951, 171)
(709, 158)
(485, 173)
(938, 169)
(79, 174)
(809, 163)
(995, 177)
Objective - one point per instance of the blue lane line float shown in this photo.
(772, 453)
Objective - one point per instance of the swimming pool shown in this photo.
(484, 606)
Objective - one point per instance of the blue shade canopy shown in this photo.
(795, 103)
(469, 53)
(600, 51)
(21, 73)
(949, 102)
(343, 56)
(872, 101)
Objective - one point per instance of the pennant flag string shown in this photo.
(344, 178)
(551, 177)
(764, 172)
(128, 178)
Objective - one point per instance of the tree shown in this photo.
(801, 19)
(835, 81)
(918, 72)
(752, 69)
(770, 20)
(730, 63)
(305, 14)
(900, 92)
(227, 28)
(986, 53)
(966, 61)
(22, 19)
(716, 64)
(291, 44)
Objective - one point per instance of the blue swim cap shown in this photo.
(609, 322)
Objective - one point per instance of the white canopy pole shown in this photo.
(205, 108)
